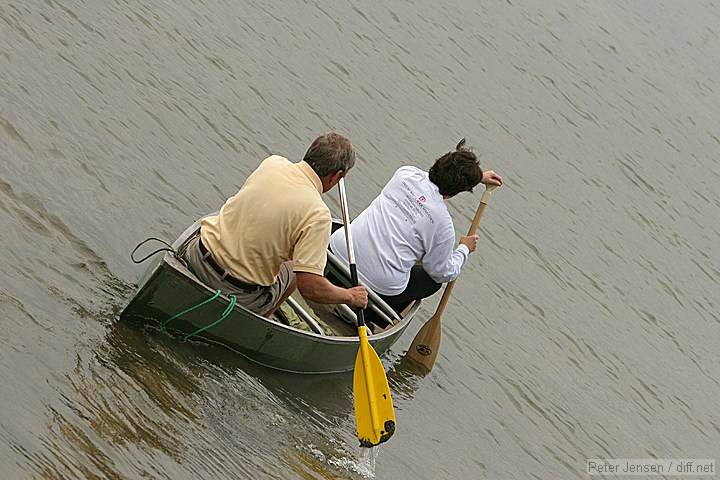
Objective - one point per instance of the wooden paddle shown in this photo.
(426, 344)
(374, 412)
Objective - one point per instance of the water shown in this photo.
(586, 325)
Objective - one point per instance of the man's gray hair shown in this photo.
(329, 153)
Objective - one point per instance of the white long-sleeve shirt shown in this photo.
(407, 222)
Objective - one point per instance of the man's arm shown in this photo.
(319, 289)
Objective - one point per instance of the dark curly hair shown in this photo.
(457, 171)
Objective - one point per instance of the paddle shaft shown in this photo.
(362, 329)
(473, 228)
(350, 247)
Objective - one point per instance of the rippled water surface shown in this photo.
(586, 325)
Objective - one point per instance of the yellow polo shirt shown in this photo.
(277, 215)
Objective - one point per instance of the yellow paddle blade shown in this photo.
(374, 412)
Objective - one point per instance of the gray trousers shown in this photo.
(260, 301)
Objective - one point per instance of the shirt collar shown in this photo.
(306, 169)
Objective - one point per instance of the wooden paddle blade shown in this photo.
(374, 412)
(426, 344)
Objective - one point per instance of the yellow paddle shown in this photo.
(426, 344)
(374, 412)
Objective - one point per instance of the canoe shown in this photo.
(169, 296)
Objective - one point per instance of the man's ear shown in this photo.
(337, 176)
(331, 179)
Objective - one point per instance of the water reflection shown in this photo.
(170, 391)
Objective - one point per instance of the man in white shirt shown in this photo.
(409, 222)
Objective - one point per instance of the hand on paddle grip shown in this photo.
(491, 178)
(470, 241)
(358, 297)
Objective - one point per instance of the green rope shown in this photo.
(217, 294)
(222, 317)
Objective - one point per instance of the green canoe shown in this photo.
(171, 297)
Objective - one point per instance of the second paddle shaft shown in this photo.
(351, 250)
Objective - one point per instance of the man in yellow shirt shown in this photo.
(272, 236)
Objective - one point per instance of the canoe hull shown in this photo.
(169, 290)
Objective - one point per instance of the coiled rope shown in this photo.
(217, 294)
(224, 315)
(169, 248)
